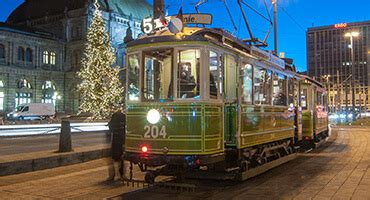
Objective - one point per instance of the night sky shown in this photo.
(292, 39)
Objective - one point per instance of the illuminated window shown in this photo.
(49, 94)
(52, 58)
(1, 84)
(262, 86)
(2, 51)
(214, 74)
(22, 98)
(20, 53)
(279, 90)
(45, 57)
(157, 75)
(247, 72)
(133, 77)
(188, 80)
(2, 100)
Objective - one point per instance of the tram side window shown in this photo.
(304, 99)
(133, 77)
(291, 92)
(157, 75)
(231, 79)
(262, 86)
(188, 79)
(279, 90)
(214, 74)
(247, 83)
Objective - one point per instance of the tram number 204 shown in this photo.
(155, 132)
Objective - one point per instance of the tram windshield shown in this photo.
(188, 79)
(157, 75)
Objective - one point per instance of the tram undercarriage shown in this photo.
(233, 165)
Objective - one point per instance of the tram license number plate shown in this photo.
(155, 132)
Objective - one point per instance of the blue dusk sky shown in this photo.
(294, 17)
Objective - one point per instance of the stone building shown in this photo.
(42, 42)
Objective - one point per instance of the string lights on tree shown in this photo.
(100, 88)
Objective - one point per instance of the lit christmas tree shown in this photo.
(100, 88)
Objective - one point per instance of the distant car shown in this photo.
(32, 111)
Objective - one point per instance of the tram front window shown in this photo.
(157, 75)
(133, 77)
(188, 79)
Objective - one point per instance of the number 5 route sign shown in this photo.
(150, 25)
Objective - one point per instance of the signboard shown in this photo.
(342, 25)
(261, 54)
(150, 25)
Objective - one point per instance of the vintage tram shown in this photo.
(204, 101)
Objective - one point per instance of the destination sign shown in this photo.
(150, 25)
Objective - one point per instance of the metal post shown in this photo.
(353, 78)
(65, 141)
(274, 2)
(158, 8)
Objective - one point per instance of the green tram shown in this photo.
(204, 100)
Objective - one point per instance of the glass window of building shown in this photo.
(279, 90)
(49, 94)
(52, 58)
(2, 95)
(20, 53)
(214, 74)
(262, 86)
(247, 84)
(2, 100)
(157, 75)
(29, 55)
(2, 51)
(133, 77)
(45, 57)
(188, 77)
(22, 98)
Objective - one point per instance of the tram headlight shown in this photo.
(153, 116)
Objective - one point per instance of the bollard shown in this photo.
(65, 142)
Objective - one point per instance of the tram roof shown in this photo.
(215, 35)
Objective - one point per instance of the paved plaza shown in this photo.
(337, 170)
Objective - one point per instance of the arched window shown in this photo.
(29, 55)
(2, 51)
(49, 94)
(45, 57)
(24, 94)
(52, 58)
(20, 53)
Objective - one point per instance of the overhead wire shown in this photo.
(292, 18)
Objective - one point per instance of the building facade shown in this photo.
(330, 60)
(42, 43)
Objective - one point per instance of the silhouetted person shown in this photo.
(117, 126)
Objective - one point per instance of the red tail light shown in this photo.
(144, 149)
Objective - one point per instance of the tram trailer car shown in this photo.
(315, 123)
(202, 100)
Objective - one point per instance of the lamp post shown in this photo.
(326, 78)
(351, 35)
(274, 3)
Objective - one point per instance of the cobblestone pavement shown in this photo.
(80, 181)
(337, 170)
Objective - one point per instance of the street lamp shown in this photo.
(351, 35)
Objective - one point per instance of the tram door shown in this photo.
(230, 98)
